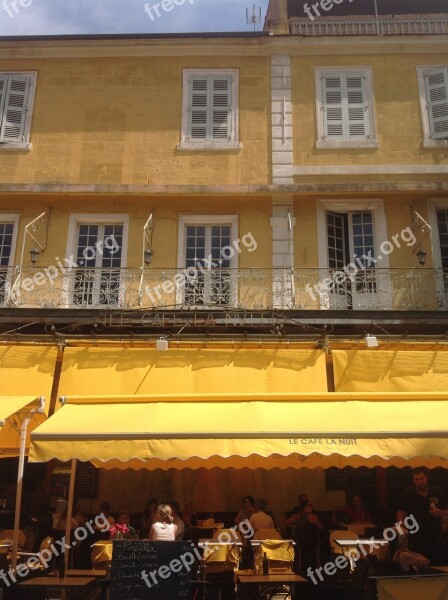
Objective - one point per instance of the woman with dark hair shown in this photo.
(246, 511)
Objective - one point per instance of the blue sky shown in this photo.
(58, 17)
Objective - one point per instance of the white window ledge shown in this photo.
(16, 147)
(435, 143)
(335, 145)
(209, 146)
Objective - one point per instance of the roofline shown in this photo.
(135, 36)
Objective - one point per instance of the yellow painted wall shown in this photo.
(253, 217)
(397, 108)
(118, 120)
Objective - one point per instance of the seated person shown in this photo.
(308, 534)
(261, 520)
(163, 528)
(189, 515)
(123, 519)
(148, 517)
(105, 510)
(406, 559)
(78, 519)
(246, 511)
(356, 513)
(180, 525)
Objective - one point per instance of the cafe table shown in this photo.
(257, 584)
(78, 587)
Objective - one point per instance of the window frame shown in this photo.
(184, 220)
(25, 145)
(428, 141)
(13, 218)
(185, 142)
(322, 142)
(77, 219)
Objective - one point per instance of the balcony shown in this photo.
(368, 26)
(370, 289)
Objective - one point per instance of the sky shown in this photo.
(61, 17)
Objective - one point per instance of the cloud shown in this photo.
(63, 17)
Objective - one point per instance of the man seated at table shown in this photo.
(260, 519)
(355, 513)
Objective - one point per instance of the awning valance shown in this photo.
(346, 425)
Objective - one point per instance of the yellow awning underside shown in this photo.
(357, 428)
(13, 409)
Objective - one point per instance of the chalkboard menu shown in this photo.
(144, 570)
(86, 482)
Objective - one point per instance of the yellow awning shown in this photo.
(351, 426)
(13, 409)
(390, 371)
(186, 371)
(26, 372)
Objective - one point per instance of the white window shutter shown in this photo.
(221, 109)
(332, 106)
(3, 84)
(357, 108)
(15, 106)
(198, 108)
(436, 81)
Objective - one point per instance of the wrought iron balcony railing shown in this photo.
(368, 26)
(253, 289)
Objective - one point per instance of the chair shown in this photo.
(280, 554)
(340, 534)
(345, 585)
(8, 534)
(219, 563)
(267, 534)
(227, 535)
(101, 555)
(46, 566)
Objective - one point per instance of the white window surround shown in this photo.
(184, 220)
(345, 206)
(322, 143)
(185, 144)
(428, 142)
(24, 146)
(435, 204)
(11, 218)
(77, 219)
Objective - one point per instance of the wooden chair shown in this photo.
(340, 534)
(345, 585)
(219, 563)
(8, 534)
(267, 534)
(280, 554)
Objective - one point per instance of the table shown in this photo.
(359, 528)
(275, 579)
(78, 585)
(370, 544)
(86, 573)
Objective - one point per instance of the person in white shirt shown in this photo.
(175, 509)
(163, 528)
(261, 520)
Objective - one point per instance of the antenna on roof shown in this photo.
(253, 15)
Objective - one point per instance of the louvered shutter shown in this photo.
(357, 109)
(332, 107)
(199, 108)
(437, 97)
(15, 106)
(221, 109)
(3, 84)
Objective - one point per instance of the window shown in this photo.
(97, 248)
(438, 220)
(433, 87)
(16, 101)
(8, 233)
(210, 110)
(345, 113)
(349, 240)
(207, 256)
